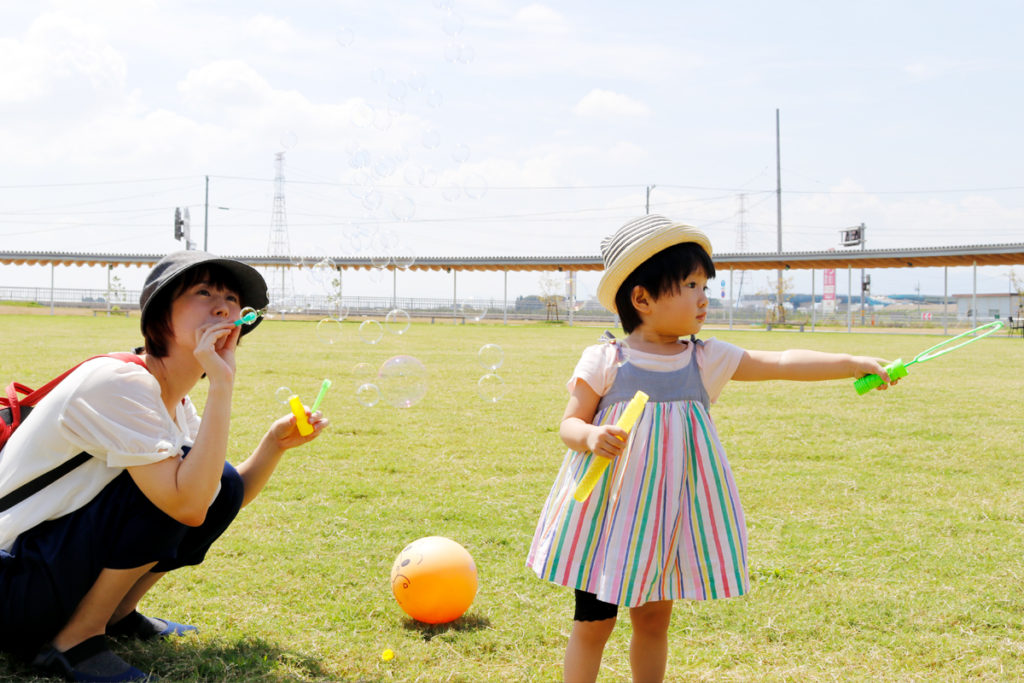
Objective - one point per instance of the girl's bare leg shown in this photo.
(94, 611)
(648, 648)
(583, 653)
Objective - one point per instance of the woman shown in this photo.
(76, 558)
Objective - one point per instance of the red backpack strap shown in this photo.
(13, 403)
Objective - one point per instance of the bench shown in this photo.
(98, 311)
(768, 326)
(1017, 327)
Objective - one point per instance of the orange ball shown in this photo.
(434, 580)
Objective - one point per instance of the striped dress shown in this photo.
(665, 521)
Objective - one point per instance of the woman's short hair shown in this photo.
(661, 273)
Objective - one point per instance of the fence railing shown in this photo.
(589, 312)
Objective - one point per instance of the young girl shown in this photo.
(664, 523)
(78, 556)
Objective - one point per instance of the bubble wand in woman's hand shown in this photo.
(898, 369)
(600, 464)
(320, 397)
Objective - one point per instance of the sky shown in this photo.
(508, 128)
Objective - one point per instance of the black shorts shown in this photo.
(589, 608)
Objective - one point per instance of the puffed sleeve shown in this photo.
(718, 360)
(596, 367)
(116, 414)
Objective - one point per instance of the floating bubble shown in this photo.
(453, 24)
(368, 394)
(370, 331)
(328, 331)
(413, 174)
(397, 90)
(378, 75)
(402, 381)
(359, 158)
(362, 114)
(466, 54)
(336, 309)
(396, 321)
(380, 261)
(475, 186)
(473, 311)
(404, 258)
(491, 356)
(451, 192)
(434, 98)
(378, 275)
(431, 138)
(430, 176)
(363, 373)
(283, 394)
(403, 208)
(491, 388)
(384, 167)
(344, 36)
(460, 153)
(382, 119)
(373, 200)
(289, 139)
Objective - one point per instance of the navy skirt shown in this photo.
(51, 567)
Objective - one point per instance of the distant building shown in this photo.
(990, 306)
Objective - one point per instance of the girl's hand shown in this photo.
(285, 431)
(863, 365)
(215, 350)
(607, 441)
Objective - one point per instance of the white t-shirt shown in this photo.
(717, 361)
(108, 408)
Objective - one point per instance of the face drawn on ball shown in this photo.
(408, 557)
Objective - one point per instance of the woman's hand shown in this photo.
(285, 431)
(215, 350)
(864, 365)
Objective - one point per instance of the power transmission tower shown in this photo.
(278, 245)
(741, 245)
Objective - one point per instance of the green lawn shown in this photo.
(886, 531)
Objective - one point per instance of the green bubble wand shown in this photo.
(898, 369)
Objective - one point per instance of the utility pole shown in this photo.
(778, 207)
(206, 217)
(648, 206)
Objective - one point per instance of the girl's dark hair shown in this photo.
(659, 274)
(157, 330)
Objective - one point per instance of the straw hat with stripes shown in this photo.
(634, 243)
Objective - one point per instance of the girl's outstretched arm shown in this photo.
(807, 366)
(576, 429)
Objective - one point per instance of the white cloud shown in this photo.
(229, 83)
(606, 104)
(541, 19)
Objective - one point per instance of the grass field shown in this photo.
(886, 531)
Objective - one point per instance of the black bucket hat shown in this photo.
(253, 287)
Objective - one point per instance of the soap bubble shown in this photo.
(473, 311)
(404, 258)
(373, 200)
(431, 138)
(453, 24)
(370, 331)
(397, 90)
(283, 394)
(336, 309)
(362, 114)
(368, 394)
(475, 186)
(344, 36)
(434, 98)
(328, 331)
(396, 321)
(404, 208)
(289, 139)
(359, 158)
(384, 167)
(460, 153)
(413, 174)
(363, 373)
(491, 356)
(451, 192)
(402, 381)
(491, 388)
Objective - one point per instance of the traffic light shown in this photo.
(179, 224)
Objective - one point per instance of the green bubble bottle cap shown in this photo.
(895, 370)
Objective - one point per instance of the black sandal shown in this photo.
(90, 660)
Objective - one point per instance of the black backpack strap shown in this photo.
(41, 482)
